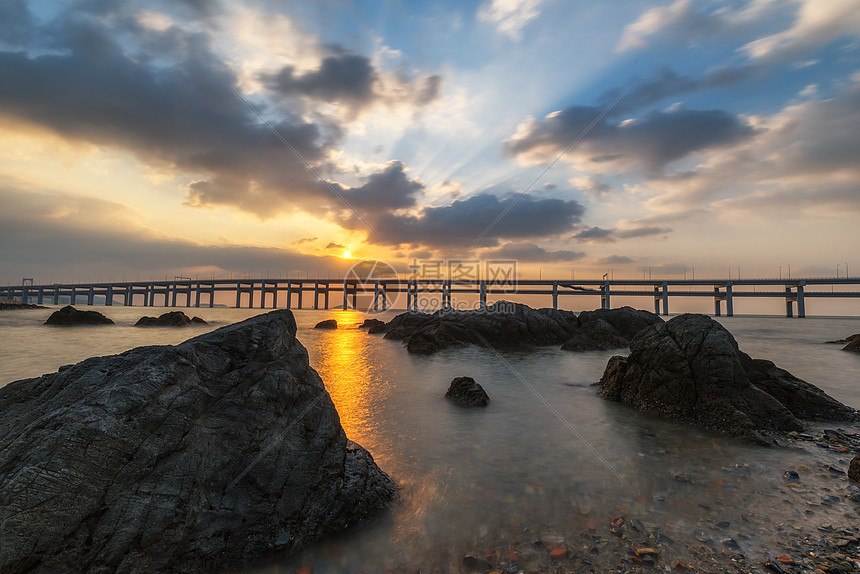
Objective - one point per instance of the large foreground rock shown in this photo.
(467, 392)
(178, 458)
(691, 369)
(68, 316)
(506, 324)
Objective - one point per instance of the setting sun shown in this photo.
(346, 255)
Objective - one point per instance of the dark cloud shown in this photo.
(346, 78)
(431, 86)
(642, 231)
(334, 245)
(303, 240)
(531, 253)
(652, 140)
(665, 84)
(596, 235)
(601, 235)
(614, 260)
(460, 223)
(390, 189)
(16, 22)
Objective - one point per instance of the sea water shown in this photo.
(547, 457)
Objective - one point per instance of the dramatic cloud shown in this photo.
(531, 253)
(45, 236)
(461, 222)
(809, 147)
(817, 23)
(650, 141)
(614, 260)
(601, 235)
(677, 22)
(389, 189)
(510, 16)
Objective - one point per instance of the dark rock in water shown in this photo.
(506, 324)
(327, 324)
(627, 321)
(465, 391)
(171, 319)
(691, 369)
(853, 345)
(854, 469)
(847, 339)
(8, 305)
(376, 329)
(791, 475)
(68, 315)
(371, 323)
(191, 457)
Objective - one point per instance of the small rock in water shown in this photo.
(791, 475)
(465, 391)
(327, 324)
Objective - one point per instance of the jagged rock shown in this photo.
(466, 392)
(506, 324)
(847, 339)
(68, 315)
(853, 345)
(178, 458)
(327, 324)
(854, 469)
(8, 305)
(171, 319)
(691, 369)
(371, 323)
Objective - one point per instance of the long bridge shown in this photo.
(429, 293)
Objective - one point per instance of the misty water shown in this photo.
(474, 480)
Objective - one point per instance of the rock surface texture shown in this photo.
(178, 458)
(327, 324)
(690, 369)
(854, 469)
(68, 315)
(506, 324)
(468, 393)
(171, 319)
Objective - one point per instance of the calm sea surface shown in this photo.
(473, 479)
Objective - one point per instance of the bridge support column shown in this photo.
(789, 308)
(730, 309)
(40, 296)
(555, 294)
(316, 295)
(238, 295)
(355, 296)
(345, 302)
(197, 296)
(91, 296)
(717, 311)
(109, 296)
(665, 298)
(656, 300)
(604, 297)
(376, 296)
(56, 294)
(129, 296)
(325, 294)
(173, 294)
(289, 294)
(483, 296)
(801, 302)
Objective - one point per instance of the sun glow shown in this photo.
(346, 255)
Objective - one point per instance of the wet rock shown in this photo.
(506, 324)
(371, 323)
(178, 458)
(690, 369)
(847, 339)
(10, 305)
(791, 475)
(171, 319)
(466, 392)
(68, 316)
(854, 469)
(475, 564)
(854, 345)
(327, 324)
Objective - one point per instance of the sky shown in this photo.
(264, 138)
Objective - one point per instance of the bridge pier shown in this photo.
(555, 294)
(730, 310)
(665, 298)
(801, 302)
(657, 297)
(604, 296)
(483, 295)
(789, 308)
(717, 299)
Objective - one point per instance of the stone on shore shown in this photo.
(68, 316)
(12, 305)
(327, 324)
(193, 457)
(171, 319)
(853, 345)
(691, 369)
(854, 469)
(468, 393)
